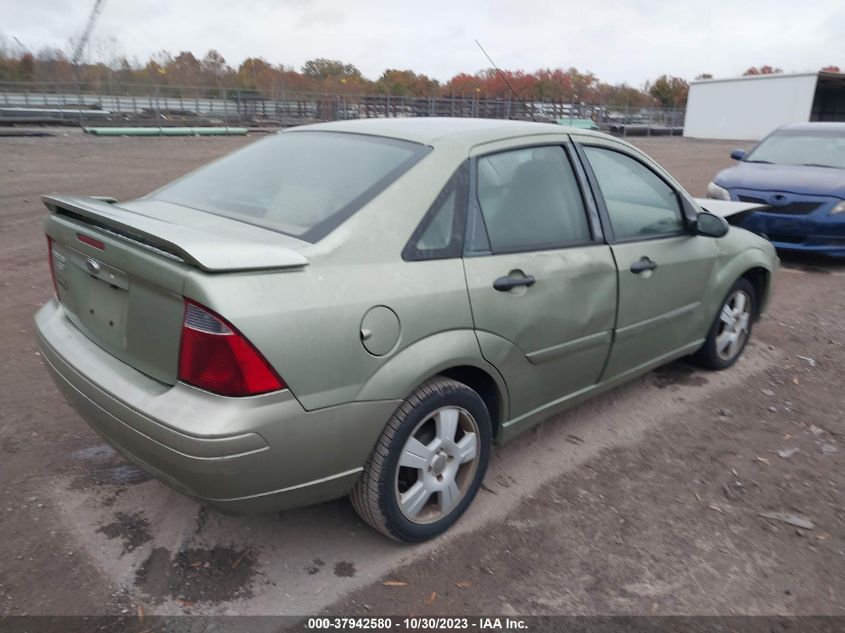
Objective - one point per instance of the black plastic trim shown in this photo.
(459, 183)
(507, 283)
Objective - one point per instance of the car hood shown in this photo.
(819, 181)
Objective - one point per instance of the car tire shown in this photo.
(428, 463)
(731, 328)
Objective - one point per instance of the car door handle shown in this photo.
(503, 284)
(643, 264)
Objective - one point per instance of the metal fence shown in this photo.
(160, 105)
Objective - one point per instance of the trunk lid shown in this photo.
(120, 270)
(204, 240)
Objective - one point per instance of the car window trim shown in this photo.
(474, 209)
(322, 229)
(590, 209)
(411, 252)
(604, 214)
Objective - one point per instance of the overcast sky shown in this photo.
(618, 40)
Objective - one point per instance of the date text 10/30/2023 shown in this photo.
(417, 624)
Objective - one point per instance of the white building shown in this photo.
(748, 108)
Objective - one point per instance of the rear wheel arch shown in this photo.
(485, 386)
(460, 359)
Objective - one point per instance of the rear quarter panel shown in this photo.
(307, 322)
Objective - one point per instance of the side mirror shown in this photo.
(710, 225)
(738, 154)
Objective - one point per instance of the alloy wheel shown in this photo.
(437, 465)
(734, 325)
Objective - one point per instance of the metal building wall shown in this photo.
(829, 104)
(748, 108)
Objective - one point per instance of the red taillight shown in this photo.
(213, 355)
(85, 239)
(50, 258)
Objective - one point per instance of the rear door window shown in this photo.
(530, 200)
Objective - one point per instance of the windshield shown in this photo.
(303, 184)
(822, 148)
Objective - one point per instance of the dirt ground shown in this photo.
(684, 492)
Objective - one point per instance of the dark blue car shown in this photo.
(798, 171)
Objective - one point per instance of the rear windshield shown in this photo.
(303, 184)
(823, 148)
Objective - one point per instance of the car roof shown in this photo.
(816, 126)
(435, 130)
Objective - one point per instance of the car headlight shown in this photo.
(839, 208)
(717, 193)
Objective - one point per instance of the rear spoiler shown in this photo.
(728, 209)
(203, 249)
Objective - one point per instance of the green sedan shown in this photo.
(362, 308)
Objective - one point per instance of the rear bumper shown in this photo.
(255, 454)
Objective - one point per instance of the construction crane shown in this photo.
(86, 33)
(80, 46)
(21, 44)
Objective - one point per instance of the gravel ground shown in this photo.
(681, 493)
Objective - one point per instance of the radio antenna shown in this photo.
(505, 79)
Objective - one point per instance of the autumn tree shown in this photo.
(155, 70)
(322, 68)
(51, 64)
(671, 92)
(553, 85)
(26, 67)
(256, 73)
(214, 68)
(501, 83)
(831, 69)
(624, 96)
(464, 84)
(184, 70)
(211, 74)
(584, 85)
(405, 83)
(762, 70)
(292, 80)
